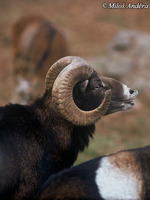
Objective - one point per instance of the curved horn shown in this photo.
(78, 70)
(55, 69)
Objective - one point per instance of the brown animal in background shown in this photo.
(43, 138)
(37, 44)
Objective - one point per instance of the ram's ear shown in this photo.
(83, 86)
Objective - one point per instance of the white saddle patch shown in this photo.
(115, 184)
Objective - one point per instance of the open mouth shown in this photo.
(124, 104)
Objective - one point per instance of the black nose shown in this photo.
(131, 91)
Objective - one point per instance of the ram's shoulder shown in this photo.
(15, 113)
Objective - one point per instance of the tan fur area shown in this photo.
(31, 37)
(27, 37)
(19, 27)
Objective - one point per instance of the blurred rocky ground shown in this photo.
(128, 59)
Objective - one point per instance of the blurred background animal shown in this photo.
(37, 44)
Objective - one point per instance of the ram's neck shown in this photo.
(64, 139)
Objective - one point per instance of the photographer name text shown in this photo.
(117, 5)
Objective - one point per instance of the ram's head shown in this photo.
(81, 95)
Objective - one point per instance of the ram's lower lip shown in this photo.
(128, 105)
(129, 102)
(132, 103)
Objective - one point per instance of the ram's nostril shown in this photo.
(131, 91)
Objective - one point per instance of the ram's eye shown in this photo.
(97, 87)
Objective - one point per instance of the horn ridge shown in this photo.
(56, 68)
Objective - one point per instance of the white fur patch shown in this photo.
(23, 86)
(126, 91)
(23, 90)
(116, 184)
